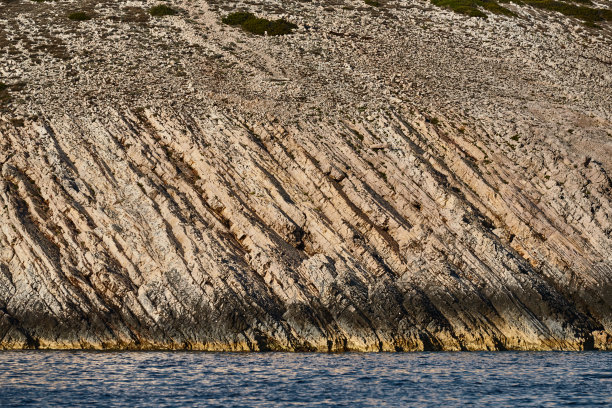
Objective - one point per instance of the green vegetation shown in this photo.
(79, 16)
(235, 19)
(18, 122)
(162, 10)
(586, 14)
(473, 8)
(260, 26)
(477, 8)
(4, 94)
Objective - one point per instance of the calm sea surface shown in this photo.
(175, 379)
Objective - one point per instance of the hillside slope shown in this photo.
(387, 178)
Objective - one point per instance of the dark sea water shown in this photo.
(175, 379)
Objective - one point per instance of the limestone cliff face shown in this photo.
(198, 213)
(166, 230)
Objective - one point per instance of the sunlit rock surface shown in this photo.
(386, 178)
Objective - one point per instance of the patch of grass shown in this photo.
(477, 8)
(473, 8)
(18, 122)
(238, 18)
(79, 16)
(5, 97)
(259, 26)
(465, 7)
(586, 14)
(495, 8)
(162, 10)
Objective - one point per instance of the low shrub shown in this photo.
(5, 97)
(259, 26)
(162, 10)
(477, 8)
(79, 16)
(238, 18)
(473, 8)
(586, 14)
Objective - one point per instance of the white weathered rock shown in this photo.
(177, 183)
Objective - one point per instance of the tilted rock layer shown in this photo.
(384, 179)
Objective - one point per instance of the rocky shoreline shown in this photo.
(395, 178)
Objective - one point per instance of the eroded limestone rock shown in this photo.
(417, 180)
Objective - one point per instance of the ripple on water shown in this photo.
(171, 379)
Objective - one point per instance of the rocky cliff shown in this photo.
(387, 177)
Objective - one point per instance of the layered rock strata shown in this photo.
(208, 189)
